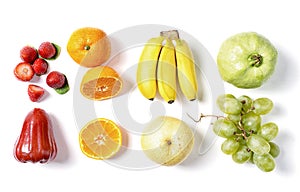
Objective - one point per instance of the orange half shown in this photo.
(100, 83)
(100, 139)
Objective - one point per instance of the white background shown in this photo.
(211, 22)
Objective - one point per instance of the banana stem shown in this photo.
(171, 34)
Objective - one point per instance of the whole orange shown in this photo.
(89, 47)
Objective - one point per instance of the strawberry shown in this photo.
(35, 92)
(40, 66)
(55, 79)
(47, 50)
(24, 71)
(28, 54)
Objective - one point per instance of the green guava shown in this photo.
(247, 60)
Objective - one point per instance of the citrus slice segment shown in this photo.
(100, 139)
(100, 83)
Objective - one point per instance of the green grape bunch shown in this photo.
(246, 138)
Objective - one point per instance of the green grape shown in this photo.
(242, 155)
(241, 140)
(230, 146)
(262, 106)
(228, 104)
(258, 144)
(224, 128)
(234, 118)
(274, 149)
(251, 122)
(268, 131)
(229, 96)
(246, 103)
(264, 162)
(251, 158)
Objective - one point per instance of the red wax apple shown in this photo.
(36, 142)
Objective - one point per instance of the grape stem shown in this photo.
(239, 126)
(202, 116)
(244, 132)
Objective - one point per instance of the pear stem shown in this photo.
(169, 142)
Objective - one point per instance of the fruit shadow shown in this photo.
(193, 159)
(285, 74)
(117, 61)
(36, 79)
(45, 96)
(285, 141)
(127, 85)
(201, 80)
(63, 151)
(116, 58)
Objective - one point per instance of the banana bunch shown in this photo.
(161, 63)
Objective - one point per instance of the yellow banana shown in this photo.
(166, 72)
(186, 70)
(146, 71)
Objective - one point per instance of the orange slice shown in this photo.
(89, 47)
(100, 139)
(100, 83)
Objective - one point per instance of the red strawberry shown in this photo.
(24, 71)
(35, 92)
(55, 79)
(47, 50)
(28, 54)
(40, 66)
